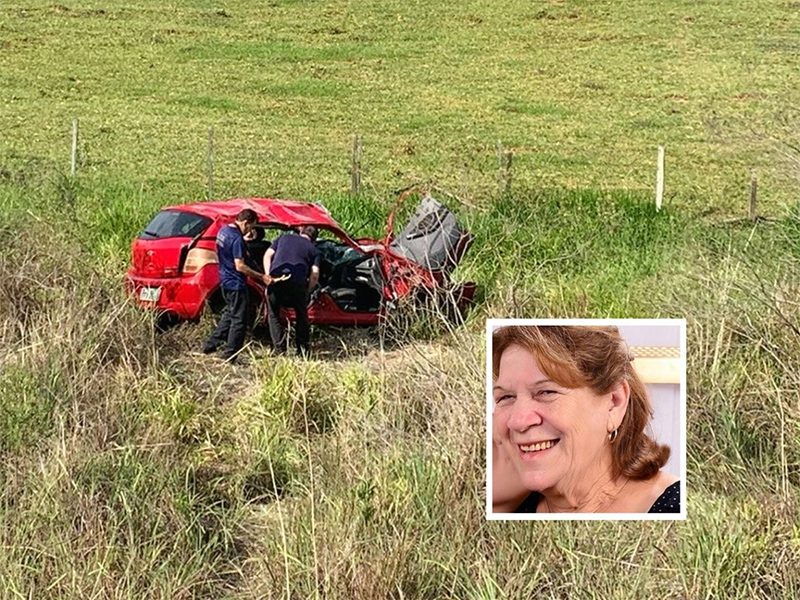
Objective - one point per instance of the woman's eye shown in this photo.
(503, 397)
(547, 393)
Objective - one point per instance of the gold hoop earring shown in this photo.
(613, 436)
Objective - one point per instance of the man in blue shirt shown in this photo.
(233, 274)
(292, 262)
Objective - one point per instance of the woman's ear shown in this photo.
(620, 395)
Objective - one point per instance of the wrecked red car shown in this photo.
(174, 268)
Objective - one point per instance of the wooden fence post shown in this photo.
(504, 159)
(660, 178)
(355, 167)
(74, 167)
(753, 195)
(210, 163)
(507, 158)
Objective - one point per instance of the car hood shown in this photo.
(432, 239)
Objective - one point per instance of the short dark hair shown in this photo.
(247, 215)
(310, 231)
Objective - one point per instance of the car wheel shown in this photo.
(166, 321)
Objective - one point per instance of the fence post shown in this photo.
(753, 195)
(660, 178)
(74, 167)
(504, 160)
(507, 158)
(210, 163)
(355, 167)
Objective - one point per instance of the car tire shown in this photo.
(166, 321)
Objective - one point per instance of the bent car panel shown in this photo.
(432, 238)
(326, 311)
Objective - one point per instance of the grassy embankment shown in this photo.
(134, 470)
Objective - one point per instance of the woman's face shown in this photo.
(557, 437)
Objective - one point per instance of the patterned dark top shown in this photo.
(668, 502)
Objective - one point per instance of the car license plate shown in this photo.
(148, 294)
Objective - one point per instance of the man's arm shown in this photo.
(242, 267)
(239, 251)
(313, 278)
(268, 259)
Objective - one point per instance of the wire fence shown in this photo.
(499, 172)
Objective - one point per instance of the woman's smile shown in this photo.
(536, 450)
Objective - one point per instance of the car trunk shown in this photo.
(160, 249)
(158, 258)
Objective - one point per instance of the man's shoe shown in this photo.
(229, 356)
(207, 349)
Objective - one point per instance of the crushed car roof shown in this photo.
(286, 212)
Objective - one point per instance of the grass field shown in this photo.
(133, 469)
(582, 92)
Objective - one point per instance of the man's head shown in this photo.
(310, 232)
(246, 219)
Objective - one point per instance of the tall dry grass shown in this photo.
(97, 496)
(133, 469)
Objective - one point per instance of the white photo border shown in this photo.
(491, 325)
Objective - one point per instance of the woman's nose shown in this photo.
(524, 415)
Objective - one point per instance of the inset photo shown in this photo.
(586, 419)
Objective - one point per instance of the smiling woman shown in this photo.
(568, 427)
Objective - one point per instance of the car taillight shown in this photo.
(197, 258)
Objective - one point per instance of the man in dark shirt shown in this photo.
(233, 274)
(293, 265)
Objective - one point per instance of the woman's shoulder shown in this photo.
(641, 495)
(664, 493)
(669, 501)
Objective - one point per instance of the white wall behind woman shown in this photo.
(665, 398)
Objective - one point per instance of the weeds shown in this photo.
(135, 470)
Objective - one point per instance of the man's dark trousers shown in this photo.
(232, 325)
(289, 294)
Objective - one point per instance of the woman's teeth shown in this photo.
(538, 447)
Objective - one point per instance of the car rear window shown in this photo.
(174, 223)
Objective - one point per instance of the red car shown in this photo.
(175, 267)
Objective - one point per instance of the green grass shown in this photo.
(28, 414)
(594, 86)
(154, 474)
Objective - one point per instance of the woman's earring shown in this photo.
(612, 436)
